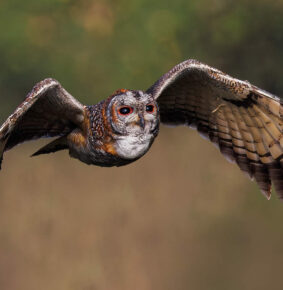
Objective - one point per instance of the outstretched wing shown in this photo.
(245, 122)
(48, 111)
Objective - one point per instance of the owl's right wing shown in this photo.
(245, 122)
(47, 111)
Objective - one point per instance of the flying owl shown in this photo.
(243, 121)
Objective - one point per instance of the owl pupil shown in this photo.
(149, 108)
(125, 110)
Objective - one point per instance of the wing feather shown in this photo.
(245, 122)
(47, 111)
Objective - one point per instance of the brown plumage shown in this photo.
(244, 121)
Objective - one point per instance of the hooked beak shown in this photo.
(141, 122)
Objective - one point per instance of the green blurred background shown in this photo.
(179, 218)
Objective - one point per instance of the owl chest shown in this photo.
(117, 152)
(98, 152)
(133, 147)
(120, 151)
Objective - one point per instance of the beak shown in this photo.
(141, 122)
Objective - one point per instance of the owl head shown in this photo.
(133, 113)
(134, 119)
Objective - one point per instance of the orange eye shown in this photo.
(125, 110)
(149, 108)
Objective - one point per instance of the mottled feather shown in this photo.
(244, 121)
(47, 111)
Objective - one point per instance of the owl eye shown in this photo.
(126, 110)
(149, 108)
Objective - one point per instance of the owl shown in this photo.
(242, 120)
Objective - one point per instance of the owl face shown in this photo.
(134, 118)
(133, 113)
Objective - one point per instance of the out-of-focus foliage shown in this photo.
(96, 46)
(176, 219)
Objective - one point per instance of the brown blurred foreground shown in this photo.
(180, 218)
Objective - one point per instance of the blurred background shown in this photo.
(180, 218)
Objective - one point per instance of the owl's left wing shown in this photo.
(245, 122)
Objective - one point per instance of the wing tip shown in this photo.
(266, 194)
(36, 153)
(52, 147)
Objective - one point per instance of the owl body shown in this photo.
(111, 138)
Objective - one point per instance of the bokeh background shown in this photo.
(180, 218)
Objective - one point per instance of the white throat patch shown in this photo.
(131, 147)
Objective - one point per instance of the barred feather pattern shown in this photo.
(47, 111)
(243, 121)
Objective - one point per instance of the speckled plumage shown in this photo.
(245, 122)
